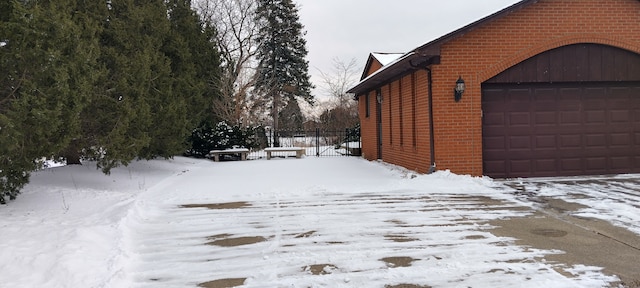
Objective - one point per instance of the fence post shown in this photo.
(317, 142)
(346, 142)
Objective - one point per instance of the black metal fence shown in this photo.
(319, 143)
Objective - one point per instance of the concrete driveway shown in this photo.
(594, 221)
(363, 224)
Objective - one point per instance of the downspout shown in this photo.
(432, 143)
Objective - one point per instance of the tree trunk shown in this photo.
(274, 112)
(72, 154)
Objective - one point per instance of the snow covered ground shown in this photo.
(613, 199)
(311, 222)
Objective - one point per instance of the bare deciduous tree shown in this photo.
(343, 110)
(237, 30)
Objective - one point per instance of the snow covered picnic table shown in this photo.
(235, 151)
(299, 151)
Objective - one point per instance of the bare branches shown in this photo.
(237, 31)
(342, 110)
(336, 82)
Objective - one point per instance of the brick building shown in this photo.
(551, 87)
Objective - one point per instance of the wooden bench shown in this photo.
(243, 152)
(299, 151)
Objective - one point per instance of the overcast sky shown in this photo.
(347, 29)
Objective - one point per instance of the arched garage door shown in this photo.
(574, 110)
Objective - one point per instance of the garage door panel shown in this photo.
(520, 166)
(623, 116)
(592, 92)
(570, 118)
(545, 142)
(519, 119)
(620, 162)
(494, 119)
(572, 166)
(571, 142)
(495, 143)
(542, 165)
(494, 167)
(517, 143)
(545, 94)
(620, 140)
(595, 140)
(593, 104)
(596, 117)
(596, 163)
(546, 118)
(570, 94)
(561, 129)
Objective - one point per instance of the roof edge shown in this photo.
(380, 71)
(432, 48)
(372, 56)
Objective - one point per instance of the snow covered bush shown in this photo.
(353, 134)
(224, 136)
(11, 181)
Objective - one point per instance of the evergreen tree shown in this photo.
(199, 66)
(88, 73)
(168, 122)
(158, 85)
(195, 67)
(291, 117)
(118, 122)
(283, 70)
(109, 80)
(44, 62)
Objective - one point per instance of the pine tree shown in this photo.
(109, 80)
(87, 72)
(291, 117)
(195, 66)
(44, 62)
(168, 128)
(198, 66)
(156, 88)
(118, 120)
(283, 70)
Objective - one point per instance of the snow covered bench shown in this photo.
(235, 151)
(351, 148)
(299, 151)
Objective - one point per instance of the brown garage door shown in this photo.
(537, 130)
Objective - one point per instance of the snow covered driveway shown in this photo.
(332, 223)
(613, 199)
(311, 222)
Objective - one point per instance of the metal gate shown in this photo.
(318, 142)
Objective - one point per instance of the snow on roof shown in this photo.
(386, 58)
(384, 67)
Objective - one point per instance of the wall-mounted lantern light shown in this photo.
(459, 89)
(379, 96)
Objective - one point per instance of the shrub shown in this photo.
(224, 136)
(353, 134)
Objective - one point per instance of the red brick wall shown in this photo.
(477, 56)
(404, 142)
(368, 126)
